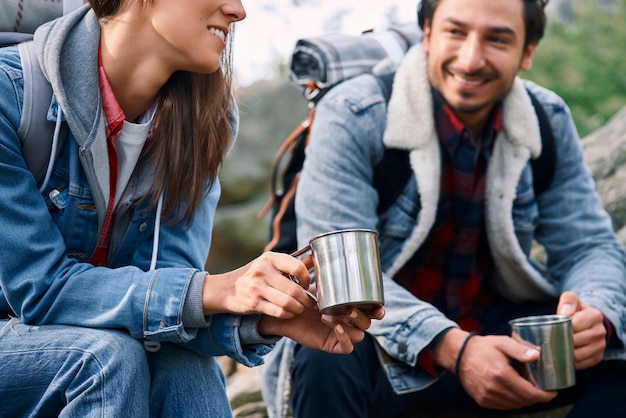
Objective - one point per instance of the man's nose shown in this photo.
(471, 55)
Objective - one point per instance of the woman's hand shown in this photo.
(260, 286)
(331, 333)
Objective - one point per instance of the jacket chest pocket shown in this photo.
(74, 212)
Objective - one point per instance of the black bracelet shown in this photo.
(461, 350)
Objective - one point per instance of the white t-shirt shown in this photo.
(129, 144)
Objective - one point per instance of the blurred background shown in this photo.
(581, 58)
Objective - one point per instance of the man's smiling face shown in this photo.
(475, 49)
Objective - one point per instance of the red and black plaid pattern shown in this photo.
(448, 269)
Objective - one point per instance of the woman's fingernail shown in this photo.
(339, 329)
(531, 352)
(327, 318)
(353, 314)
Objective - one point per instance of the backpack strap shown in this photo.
(394, 170)
(543, 166)
(36, 132)
(13, 38)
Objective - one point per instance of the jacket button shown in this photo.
(143, 227)
(402, 348)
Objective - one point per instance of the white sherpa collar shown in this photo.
(411, 125)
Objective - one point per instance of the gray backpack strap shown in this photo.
(36, 132)
(13, 38)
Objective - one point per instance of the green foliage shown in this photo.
(584, 61)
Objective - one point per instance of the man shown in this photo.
(456, 244)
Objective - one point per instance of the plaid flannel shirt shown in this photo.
(449, 267)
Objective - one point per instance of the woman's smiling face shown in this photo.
(193, 32)
(475, 49)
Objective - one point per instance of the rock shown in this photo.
(605, 152)
(244, 392)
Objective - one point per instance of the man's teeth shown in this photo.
(218, 33)
(466, 81)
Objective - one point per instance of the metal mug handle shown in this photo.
(301, 251)
(294, 279)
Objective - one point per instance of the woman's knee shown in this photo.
(81, 366)
(117, 351)
(100, 347)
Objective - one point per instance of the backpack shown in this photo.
(35, 131)
(320, 63)
(317, 65)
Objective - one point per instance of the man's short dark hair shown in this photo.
(534, 17)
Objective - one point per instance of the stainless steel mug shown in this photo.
(347, 270)
(553, 335)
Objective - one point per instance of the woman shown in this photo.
(107, 310)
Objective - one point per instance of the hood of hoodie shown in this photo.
(67, 49)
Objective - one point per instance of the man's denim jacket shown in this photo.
(352, 126)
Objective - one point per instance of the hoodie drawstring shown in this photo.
(154, 346)
(53, 151)
(157, 229)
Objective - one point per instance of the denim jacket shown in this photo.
(335, 191)
(49, 237)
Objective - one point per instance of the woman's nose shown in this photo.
(234, 8)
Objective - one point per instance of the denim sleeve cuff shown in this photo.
(249, 332)
(193, 312)
(611, 335)
(425, 357)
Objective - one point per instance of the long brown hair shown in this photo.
(193, 133)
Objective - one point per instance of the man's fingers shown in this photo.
(518, 351)
(568, 304)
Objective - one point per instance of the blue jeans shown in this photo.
(355, 385)
(67, 371)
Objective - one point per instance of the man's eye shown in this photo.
(497, 40)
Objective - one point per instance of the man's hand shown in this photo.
(485, 370)
(588, 328)
(331, 333)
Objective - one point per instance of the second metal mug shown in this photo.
(347, 270)
(553, 334)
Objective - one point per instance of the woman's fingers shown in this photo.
(286, 299)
